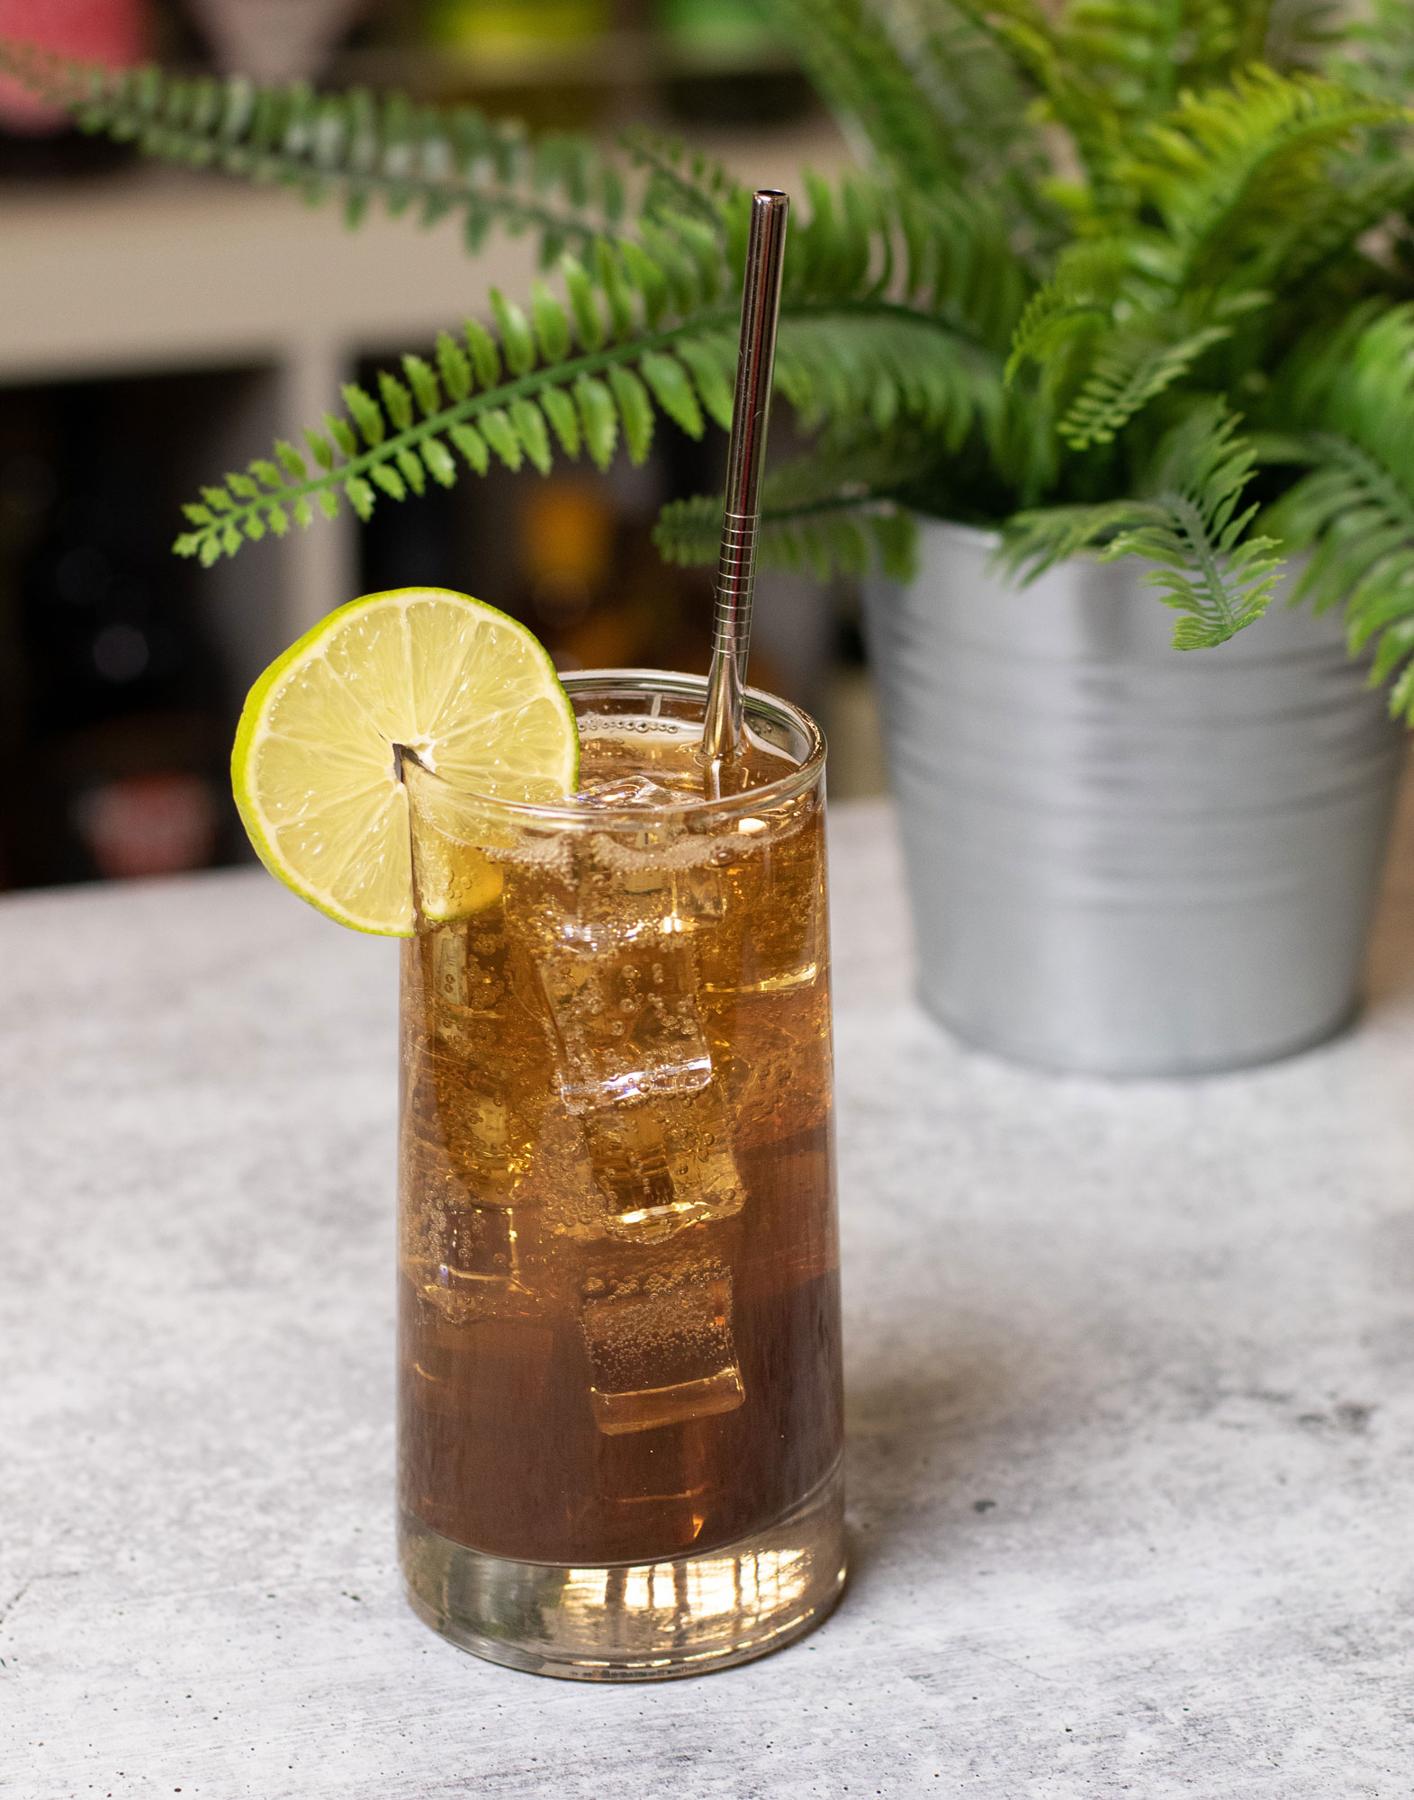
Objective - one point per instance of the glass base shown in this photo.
(635, 1621)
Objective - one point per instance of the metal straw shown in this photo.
(736, 564)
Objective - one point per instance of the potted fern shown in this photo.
(1119, 298)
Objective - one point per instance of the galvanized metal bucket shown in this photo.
(1125, 859)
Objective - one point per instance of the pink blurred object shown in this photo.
(273, 40)
(113, 32)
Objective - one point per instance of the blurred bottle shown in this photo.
(583, 589)
(36, 140)
(726, 67)
(526, 57)
(122, 768)
(274, 40)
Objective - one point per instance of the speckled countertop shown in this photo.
(1131, 1377)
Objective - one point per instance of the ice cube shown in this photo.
(464, 1255)
(621, 992)
(479, 1266)
(663, 1164)
(661, 1351)
(457, 1118)
(466, 972)
(699, 895)
(624, 793)
(772, 935)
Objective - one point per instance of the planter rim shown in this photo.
(991, 538)
(977, 534)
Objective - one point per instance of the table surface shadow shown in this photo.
(1131, 1402)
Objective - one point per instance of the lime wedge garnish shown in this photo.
(472, 692)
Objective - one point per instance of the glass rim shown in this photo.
(670, 684)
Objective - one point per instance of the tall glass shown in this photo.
(620, 1419)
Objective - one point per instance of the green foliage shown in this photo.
(1085, 237)
(1224, 164)
(424, 161)
(1376, 54)
(846, 46)
(1347, 408)
(1185, 520)
(587, 370)
(817, 514)
(682, 180)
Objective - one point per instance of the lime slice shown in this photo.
(472, 692)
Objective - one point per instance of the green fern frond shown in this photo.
(1133, 367)
(975, 87)
(817, 515)
(682, 180)
(1375, 54)
(940, 254)
(1145, 52)
(1039, 538)
(1082, 105)
(1346, 409)
(1225, 163)
(1187, 524)
(887, 369)
(1294, 34)
(847, 50)
(1329, 233)
(589, 370)
(1079, 298)
(428, 161)
(944, 105)
(1243, 182)
(1207, 565)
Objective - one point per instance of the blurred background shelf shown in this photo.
(196, 320)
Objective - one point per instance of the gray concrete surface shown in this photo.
(1131, 1375)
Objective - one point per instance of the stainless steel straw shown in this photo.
(736, 564)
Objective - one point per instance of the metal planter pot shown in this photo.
(1122, 858)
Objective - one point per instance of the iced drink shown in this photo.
(620, 1362)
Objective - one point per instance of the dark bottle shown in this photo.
(122, 770)
(723, 65)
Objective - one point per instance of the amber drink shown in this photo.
(620, 1422)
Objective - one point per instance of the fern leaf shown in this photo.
(443, 160)
(845, 46)
(1081, 104)
(844, 513)
(1326, 235)
(1375, 55)
(1131, 369)
(1344, 407)
(564, 420)
(1080, 296)
(1226, 162)
(673, 390)
(635, 411)
(1207, 565)
(682, 180)
(846, 539)
(493, 392)
(529, 424)
(974, 85)
(501, 436)
(598, 417)
(1147, 52)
